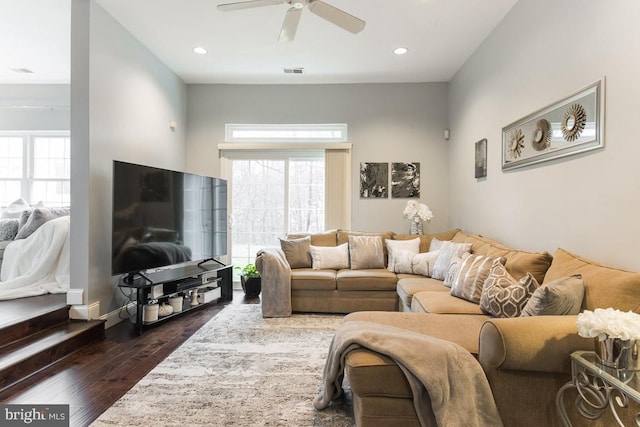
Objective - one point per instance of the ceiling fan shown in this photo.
(324, 10)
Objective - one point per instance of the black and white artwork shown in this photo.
(481, 158)
(374, 180)
(405, 180)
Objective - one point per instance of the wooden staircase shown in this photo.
(40, 336)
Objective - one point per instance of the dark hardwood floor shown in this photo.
(92, 379)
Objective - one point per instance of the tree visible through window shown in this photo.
(272, 198)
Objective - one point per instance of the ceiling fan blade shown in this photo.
(290, 25)
(337, 16)
(248, 4)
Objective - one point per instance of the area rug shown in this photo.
(239, 370)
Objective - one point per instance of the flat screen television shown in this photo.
(163, 217)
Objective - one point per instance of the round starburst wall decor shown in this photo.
(573, 122)
(541, 137)
(516, 143)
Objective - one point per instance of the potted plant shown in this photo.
(251, 282)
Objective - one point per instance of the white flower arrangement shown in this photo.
(415, 208)
(606, 323)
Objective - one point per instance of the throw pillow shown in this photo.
(423, 263)
(403, 262)
(504, 296)
(396, 247)
(15, 208)
(330, 257)
(8, 228)
(558, 298)
(454, 270)
(366, 252)
(38, 217)
(297, 252)
(474, 269)
(447, 251)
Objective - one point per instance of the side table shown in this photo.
(598, 388)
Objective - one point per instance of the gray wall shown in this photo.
(47, 107)
(387, 123)
(543, 51)
(123, 99)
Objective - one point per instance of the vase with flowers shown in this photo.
(417, 213)
(616, 334)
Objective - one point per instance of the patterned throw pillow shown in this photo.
(454, 270)
(447, 251)
(558, 298)
(398, 251)
(297, 252)
(504, 296)
(423, 263)
(8, 228)
(366, 252)
(469, 280)
(330, 257)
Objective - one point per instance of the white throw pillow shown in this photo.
(330, 257)
(397, 247)
(403, 262)
(15, 209)
(447, 251)
(423, 263)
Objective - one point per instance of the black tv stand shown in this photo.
(209, 283)
(210, 259)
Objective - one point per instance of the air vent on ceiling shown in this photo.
(298, 70)
(22, 70)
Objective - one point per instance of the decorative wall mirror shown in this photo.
(572, 125)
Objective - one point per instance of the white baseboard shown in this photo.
(85, 312)
(113, 318)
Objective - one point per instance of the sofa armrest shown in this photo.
(538, 344)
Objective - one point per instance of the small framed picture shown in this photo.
(481, 158)
(374, 180)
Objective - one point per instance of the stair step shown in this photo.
(20, 329)
(32, 353)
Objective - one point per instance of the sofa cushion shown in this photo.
(366, 252)
(408, 287)
(557, 298)
(310, 279)
(442, 303)
(447, 251)
(378, 279)
(603, 286)
(473, 271)
(504, 296)
(327, 238)
(425, 239)
(297, 252)
(401, 254)
(328, 257)
(518, 264)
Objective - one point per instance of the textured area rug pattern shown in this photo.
(238, 370)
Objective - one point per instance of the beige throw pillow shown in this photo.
(447, 251)
(474, 269)
(558, 298)
(504, 296)
(297, 252)
(423, 263)
(399, 251)
(330, 257)
(366, 252)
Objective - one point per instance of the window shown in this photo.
(300, 133)
(35, 166)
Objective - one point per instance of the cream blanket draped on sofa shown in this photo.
(448, 384)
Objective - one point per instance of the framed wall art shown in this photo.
(374, 180)
(570, 126)
(405, 180)
(481, 158)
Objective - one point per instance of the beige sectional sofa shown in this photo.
(526, 359)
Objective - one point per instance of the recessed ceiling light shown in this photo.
(400, 50)
(199, 50)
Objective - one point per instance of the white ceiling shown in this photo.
(243, 47)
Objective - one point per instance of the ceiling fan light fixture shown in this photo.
(199, 50)
(400, 50)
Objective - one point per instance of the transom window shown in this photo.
(284, 133)
(35, 166)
